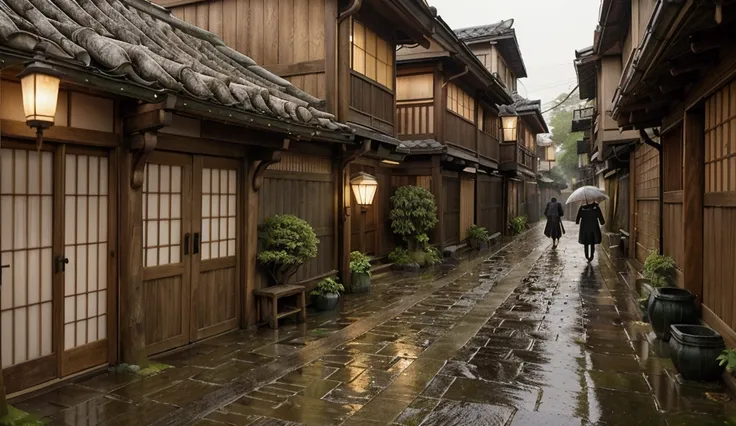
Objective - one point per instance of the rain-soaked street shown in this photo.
(521, 335)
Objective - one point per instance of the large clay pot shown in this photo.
(694, 349)
(671, 305)
(325, 302)
(360, 283)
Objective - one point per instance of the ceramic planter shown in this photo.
(671, 305)
(694, 349)
(360, 283)
(325, 302)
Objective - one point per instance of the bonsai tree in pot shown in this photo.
(288, 242)
(360, 268)
(477, 236)
(413, 217)
(326, 295)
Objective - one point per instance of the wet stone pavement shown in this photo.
(525, 335)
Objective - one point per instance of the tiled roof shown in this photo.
(421, 145)
(499, 28)
(522, 104)
(144, 43)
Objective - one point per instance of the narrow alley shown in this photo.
(522, 335)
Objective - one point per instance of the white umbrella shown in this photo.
(587, 195)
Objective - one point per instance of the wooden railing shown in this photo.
(513, 154)
(487, 145)
(459, 131)
(416, 119)
(525, 157)
(371, 104)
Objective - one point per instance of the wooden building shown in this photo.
(677, 88)
(450, 131)
(132, 229)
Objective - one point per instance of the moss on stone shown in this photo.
(153, 368)
(16, 417)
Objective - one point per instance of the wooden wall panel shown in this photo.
(647, 201)
(719, 268)
(371, 105)
(216, 298)
(467, 205)
(163, 311)
(672, 157)
(673, 241)
(459, 131)
(488, 146)
(451, 217)
(490, 198)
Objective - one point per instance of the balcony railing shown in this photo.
(582, 119)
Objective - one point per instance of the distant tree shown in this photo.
(562, 136)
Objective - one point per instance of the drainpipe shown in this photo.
(658, 146)
(350, 11)
(458, 75)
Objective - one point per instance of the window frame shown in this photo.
(383, 68)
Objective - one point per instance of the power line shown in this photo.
(563, 101)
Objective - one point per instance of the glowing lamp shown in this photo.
(40, 89)
(509, 122)
(364, 188)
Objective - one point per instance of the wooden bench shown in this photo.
(273, 294)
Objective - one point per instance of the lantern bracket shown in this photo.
(142, 144)
(268, 158)
(352, 155)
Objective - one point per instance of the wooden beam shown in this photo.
(258, 177)
(692, 197)
(331, 44)
(343, 69)
(148, 121)
(19, 130)
(316, 66)
(692, 63)
(251, 242)
(240, 135)
(437, 191)
(142, 145)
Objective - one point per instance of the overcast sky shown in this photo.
(549, 32)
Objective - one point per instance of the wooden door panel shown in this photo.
(28, 302)
(167, 263)
(215, 271)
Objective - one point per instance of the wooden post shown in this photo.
(344, 32)
(692, 198)
(251, 244)
(437, 191)
(132, 315)
(344, 213)
(632, 205)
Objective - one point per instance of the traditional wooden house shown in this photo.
(449, 126)
(677, 88)
(129, 227)
(498, 49)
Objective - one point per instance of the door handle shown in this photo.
(195, 249)
(187, 236)
(61, 263)
(1, 277)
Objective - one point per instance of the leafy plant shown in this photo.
(518, 224)
(477, 233)
(727, 358)
(414, 215)
(327, 286)
(400, 256)
(658, 269)
(432, 256)
(288, 242)
(360, 263)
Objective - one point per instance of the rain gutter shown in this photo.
(659, 28)
(458, 75)
(658, 146)
(350, 11)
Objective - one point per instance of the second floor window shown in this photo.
(372, 56)
(460, 102)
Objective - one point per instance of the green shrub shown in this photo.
(518, 224)
(478, 233)
(287, 243)
(400, 256)
(658, 269)
(327, 286)
(414, 215)
(727, 358)
(359, 263)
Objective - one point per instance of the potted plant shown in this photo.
(659, 269)
(326, 295)
(695, 349)
(413, 217)
(360, 269)
(401, 260)
(478, 237)
(287, 243)
(727, 359)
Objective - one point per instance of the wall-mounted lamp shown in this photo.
(40, 88)
(364, 188)
(391, 162)
(509, 122)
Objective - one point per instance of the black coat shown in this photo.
(588, 218)
(554, 213)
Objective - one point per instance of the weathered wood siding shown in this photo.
(303, 185)
(490, 199)
(487, 146)
(371, 104)
(459, 131)
(673, 199)
(467, 205)
(451, 216)
(647, 201)
(274, 33)
(719, 251)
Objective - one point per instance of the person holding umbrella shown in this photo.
(589, 217)
(553, 212)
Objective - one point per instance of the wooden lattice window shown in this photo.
(372, 56)
(218, 213)
(720, 140)
(459, 102)
(162, 212)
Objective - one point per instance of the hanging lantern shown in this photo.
(40, 89)
(364, 188)
(509, 122)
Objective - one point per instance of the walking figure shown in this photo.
(554, 212)
(588, 218)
